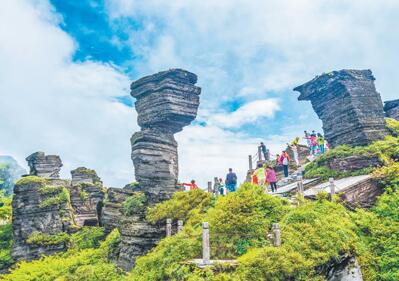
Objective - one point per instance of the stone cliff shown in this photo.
(45, 207)
(391, 109)
(87, 193)
(349, 106)
(165, 103)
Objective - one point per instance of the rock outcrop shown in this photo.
(40, 207)
(166, 102)
(87, 193)
(391, 109)
(353, 163)
(349, 106)
(44, 166)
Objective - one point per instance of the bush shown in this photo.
(6, 241)
(31, 180)
(44, 239)
(181, 206)
(58, 199)
(88, 264)
(134, 204)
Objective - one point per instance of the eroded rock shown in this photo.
(40, 206)
(353, 163)
(349, 106)
(391, 109)
(42, 165)
(87, 193)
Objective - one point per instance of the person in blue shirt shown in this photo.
(231, 181)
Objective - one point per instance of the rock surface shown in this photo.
(44, 166)
(353, 163)
(165, 103)
(87, 194)
(138, 237)
(391, 109)
(30, 215)
(349, 106)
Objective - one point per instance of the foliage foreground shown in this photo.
(314, 236)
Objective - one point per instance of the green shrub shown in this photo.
(388, 176)
(86, 237)
(6, 241)
(180, 206)
(134, 204)
(393, 125)
(58, 199)
(30, 180)
(44, 239)
(48, 189)
(87, 264)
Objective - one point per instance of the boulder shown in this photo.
(349, 106)
(391, 109)
(40, 206)
(165, 103)
(353, 163)
(87, 193)
(42, 165)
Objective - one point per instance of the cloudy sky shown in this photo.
(66, 66)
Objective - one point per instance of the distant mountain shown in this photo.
(10, 171)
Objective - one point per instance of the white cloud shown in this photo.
(248, 113)
(52, 104)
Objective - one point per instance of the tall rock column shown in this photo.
(166, 102)
(349, 106)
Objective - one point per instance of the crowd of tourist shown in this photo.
(265, 174)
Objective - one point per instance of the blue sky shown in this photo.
(66, 67)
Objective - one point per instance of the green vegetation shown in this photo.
(89, 264)
(50, 189)
(5, 231)
(387, 150)
(134, 204)
(43, 239)
(58, 199)
(31, 180)
(181, 206)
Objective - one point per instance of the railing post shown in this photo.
(332, 187)
(209, 186)
(168, 227)
(206, 255)
(250, 162)
(276, 232)
(260, 153)
(216, 186)
(179, 225)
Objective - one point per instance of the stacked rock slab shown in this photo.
(391, 109)
(40, 206)
(87, 193)
(349, 106)
(165, 103)
(42, 165)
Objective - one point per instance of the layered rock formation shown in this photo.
(166, 102)
(40, 207)
(353, 163)
(391, 109)
(87, 193)
(137, 236)
(349, 106)
(44, 166)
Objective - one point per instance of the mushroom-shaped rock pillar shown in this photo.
(349, 106)
(165, 103)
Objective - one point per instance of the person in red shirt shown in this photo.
(192, 185)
